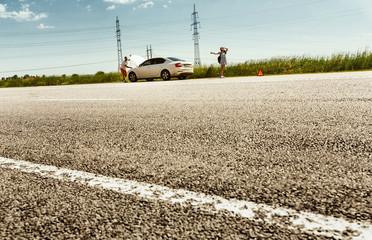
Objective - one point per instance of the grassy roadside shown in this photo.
(292, 65)
(279, 65)
(99, 77)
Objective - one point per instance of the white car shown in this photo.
(164, 68)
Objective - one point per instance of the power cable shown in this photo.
(239, 27)
(268, 10)
(54, 43)
(64, 53)
(48, 68)
(52, 32)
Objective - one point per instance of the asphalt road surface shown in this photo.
(300, 144)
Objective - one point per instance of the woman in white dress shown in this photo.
(222, 59)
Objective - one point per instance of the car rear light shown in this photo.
(178, 64)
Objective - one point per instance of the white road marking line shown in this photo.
(82, 99)
(286, 218)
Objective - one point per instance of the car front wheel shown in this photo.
(132, 77)
(165, 75)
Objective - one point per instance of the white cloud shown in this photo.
(2, 8)
(42, 26)
(24, 15)
(146, 4)
(112, 7)
(140, 3)
(89, 8)
(143, 4)
(121, 1)
(167, 5)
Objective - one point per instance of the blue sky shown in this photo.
(55, 37)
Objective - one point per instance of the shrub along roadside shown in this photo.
(99, 77)
(279, 65)
(292, 65)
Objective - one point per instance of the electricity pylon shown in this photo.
(196, 37)
(118, 36)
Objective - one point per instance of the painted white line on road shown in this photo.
(81, 99)
(286, 218)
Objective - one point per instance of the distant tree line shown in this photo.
(18, 77)
(29, 80)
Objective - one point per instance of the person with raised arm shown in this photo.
(222, 59)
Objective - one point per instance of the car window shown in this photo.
(158, 60)
(146, 63)
(175, 59)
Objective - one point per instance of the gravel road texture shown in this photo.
(302, 141)
(40, 208)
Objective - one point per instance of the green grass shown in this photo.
(292, 65)
(279, 65)
(99, 77)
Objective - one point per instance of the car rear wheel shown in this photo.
(165, 75)
(132, 77)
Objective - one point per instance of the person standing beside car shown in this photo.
(222, 59)
(123, 68)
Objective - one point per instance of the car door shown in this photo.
(144, 69)
(156, 67)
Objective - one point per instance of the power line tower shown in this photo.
(196, 36)
(149, 52)
(118, 36)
